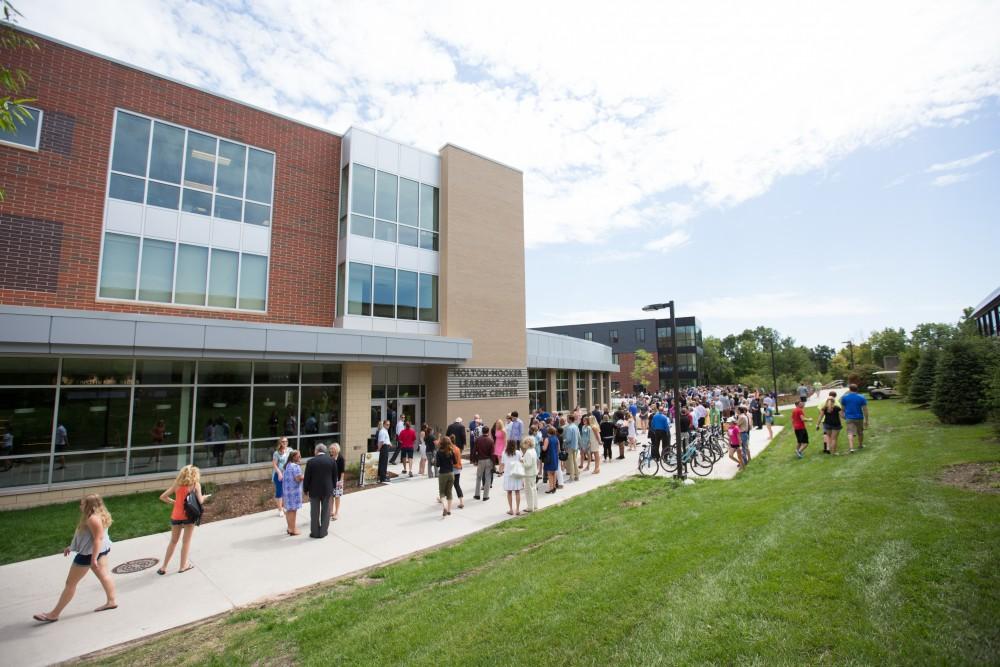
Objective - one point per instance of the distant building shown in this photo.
(653, 335)
(987, 314)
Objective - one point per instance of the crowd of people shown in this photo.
(547, 450)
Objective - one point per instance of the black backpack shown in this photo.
(193, 508)
(623, 432)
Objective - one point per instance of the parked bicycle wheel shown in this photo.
(648, 466)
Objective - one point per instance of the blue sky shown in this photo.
(826, 170)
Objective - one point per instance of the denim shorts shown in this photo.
(84, 560)
(278, 486)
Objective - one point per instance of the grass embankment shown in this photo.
(852, 559)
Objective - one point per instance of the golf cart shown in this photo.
(884, 385)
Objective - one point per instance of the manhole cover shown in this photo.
(137, 565)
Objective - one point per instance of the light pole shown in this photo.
(774, 376)
(681, 473)
(850, 347)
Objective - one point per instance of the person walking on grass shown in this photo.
(445, 464)
(735, 442)
(799, 420)
(292, 490)
(769, 421)
(92, 544)
(856, 414)
(279, 458)
(829, 415)
(187, 479)
(481, 454)
(510, 460)
(529, 458)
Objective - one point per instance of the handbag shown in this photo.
(563, 455)
(517, 470)
(192, 507)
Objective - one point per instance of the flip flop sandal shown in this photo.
(42, 618)
(106, 607)
(189, 567)
(161, 572)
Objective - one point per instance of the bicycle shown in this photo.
(648, 465)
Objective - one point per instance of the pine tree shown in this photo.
(921, 389)
(960, 385)
(907, 366)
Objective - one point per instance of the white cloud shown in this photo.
(767, 307)
(960, 164)
(637, 121)
(950, 179)
(671, 241)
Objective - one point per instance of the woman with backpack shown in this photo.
(621, 436)
(607, 435)
(187, 480)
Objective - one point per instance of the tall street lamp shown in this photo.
(850, 347)
(680, 474)
(774, 377)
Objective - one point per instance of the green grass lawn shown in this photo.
(863, 559)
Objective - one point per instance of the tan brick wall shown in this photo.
(357, 398)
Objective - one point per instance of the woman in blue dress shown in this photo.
(550, 454)
(291, 483)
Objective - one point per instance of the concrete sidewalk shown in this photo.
(249, 559)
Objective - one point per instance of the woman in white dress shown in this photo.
(512, 485)
(529, 457)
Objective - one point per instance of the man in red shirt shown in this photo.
(407, 438)
(799, 420)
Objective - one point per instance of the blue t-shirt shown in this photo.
(659, 422)
(544, 416)
(853, 402)
(634, 409)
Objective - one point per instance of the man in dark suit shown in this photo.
(319, 481)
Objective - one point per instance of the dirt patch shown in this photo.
(631, 504)
(979, 477)
(229, 501)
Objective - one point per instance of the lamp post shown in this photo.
(774, 376)
(680, 474)
(850, 347)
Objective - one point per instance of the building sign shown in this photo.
(486, 383)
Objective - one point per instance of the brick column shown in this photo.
(356, 418)
(590, 390)
(572, 390)
(550, 390)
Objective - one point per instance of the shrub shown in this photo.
(960, 386)
(921, 389)
(907, 366)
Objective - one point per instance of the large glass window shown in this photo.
(199, 165)
(562, 391)
(25, 134)
(167, 154)
(392, 199)
(260, 171)
(26, 421)
(406, 295)
(341, 291)
(537, 388)
(253, 282)
(157, 276)
(131, 145)
(275, 372)
(363, 190)
(581, 389)
(93, 418)
(428, 297)
(386, 194)
(24, 371)
(344, 189)
(164, 371)
(409, 202)
(231, 166)
(359, 289)
(222, 279)
(162, 416)
(429, 208)
(192, 274)
(119, 266)
(385, 292)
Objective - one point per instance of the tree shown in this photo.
(921, 389)
(718, 368)
(821, 356)
(642, 371)
(960, 389)
(13, 80)
(932, 334)
(887, 343)
(907, 366)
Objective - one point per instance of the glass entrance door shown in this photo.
(378, 415)
(409, 410)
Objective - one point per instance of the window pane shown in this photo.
(222, 279)
(25, 134)
(224, 372)
(157, 278)
(126, 188)
(228, 208)
(341, 292)
(232, 162)
(429, 207)
(119, 266)
(26, 371)
(409, 236)
(165, 196)
(362, 226)
(275, 373)
(260, 170)
(200, 166)
(409, 196)
(406, 295)
(359, 289)
(131, 144)
(219, 454)
(93, 418)
(344, 183)
(27, 472)
(428, 298)
(160, 459)
(320, 373)
(386, 203)
(385, 292)
(253, 282)
(164, 371)
(257, 214)
(96, 371)
(167, 153)
(26, 414)
(98, 465)
(223, 413)
(428, 240)
(161, 416)
(363, 190)
(385, 231)
(275, 411)
(196, 201)
(192, 271)
(320, 410)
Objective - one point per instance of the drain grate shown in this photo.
(137, 565)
